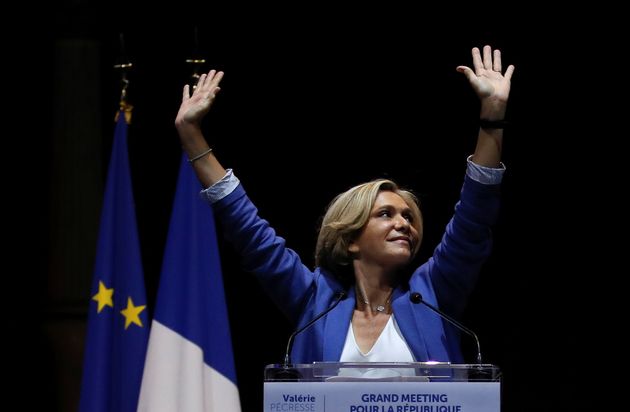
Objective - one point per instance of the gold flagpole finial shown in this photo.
(196, 61)
(124, 66)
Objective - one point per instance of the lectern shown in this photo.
(382, 387)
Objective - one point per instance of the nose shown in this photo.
(402, 224)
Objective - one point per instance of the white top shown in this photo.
(389, 347)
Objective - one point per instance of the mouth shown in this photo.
(402, 240)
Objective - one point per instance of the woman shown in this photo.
(369, 235)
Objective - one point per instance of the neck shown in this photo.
(373, 277)
(378, 301)
(374, 287)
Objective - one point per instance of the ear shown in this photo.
(353, 248)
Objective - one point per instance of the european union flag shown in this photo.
(190, 366)
(117, 322)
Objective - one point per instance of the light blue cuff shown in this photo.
(220, 189)
(485, 175)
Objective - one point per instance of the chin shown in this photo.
(401, 259)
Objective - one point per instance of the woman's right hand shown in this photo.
(195, 107)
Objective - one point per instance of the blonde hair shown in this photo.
(346, 217)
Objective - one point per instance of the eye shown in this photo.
(384, 213)
(408, 217)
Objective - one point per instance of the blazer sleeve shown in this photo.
(466, 244)
(279, 269)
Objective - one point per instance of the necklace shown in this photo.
(375, 308)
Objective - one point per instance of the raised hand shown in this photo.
(487, 79)
(194, 107)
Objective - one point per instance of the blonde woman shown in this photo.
(369, 235)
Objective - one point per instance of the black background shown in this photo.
(316, 99)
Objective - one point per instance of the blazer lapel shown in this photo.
(410, 324)
(336, 328)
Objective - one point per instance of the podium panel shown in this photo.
(382, 387)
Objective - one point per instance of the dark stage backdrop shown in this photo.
(314, 100)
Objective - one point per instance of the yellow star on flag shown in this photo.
(131, 313)
(103, 297)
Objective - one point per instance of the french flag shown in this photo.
(189, 364)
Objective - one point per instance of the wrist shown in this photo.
(199, 155)
(189, 134)
(492, 110)
(488, 124)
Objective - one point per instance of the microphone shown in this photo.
(286, 372)
(416, 298)
(287, 354)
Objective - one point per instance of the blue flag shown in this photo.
(117, 321)
(190, 365)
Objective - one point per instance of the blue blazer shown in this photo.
(445, 280)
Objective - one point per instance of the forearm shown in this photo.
(490, 141)
(207, 168)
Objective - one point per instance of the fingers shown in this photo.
(490, 61)
(208, 82)
(217, 79)
(200, 83)
(470, 75)
(477, 64)
(208, 78)
(496, 63)
(186, 94)
(487, 57)
(509, 71)
(213, 78)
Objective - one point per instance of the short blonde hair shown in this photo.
(346, 217)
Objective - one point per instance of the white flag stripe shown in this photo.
(172, 358)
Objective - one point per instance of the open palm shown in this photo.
(486, 79)
(194, 107)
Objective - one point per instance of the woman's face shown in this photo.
(388, 238)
